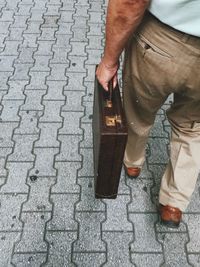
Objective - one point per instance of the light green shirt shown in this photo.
(183, 15)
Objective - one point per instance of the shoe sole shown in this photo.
(169, 224)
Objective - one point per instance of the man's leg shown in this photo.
(179, 179)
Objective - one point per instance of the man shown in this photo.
(162, 56)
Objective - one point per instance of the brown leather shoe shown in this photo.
(132, 172)
(170, 216)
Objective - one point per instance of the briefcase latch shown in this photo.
(108, 104)
(113, 120)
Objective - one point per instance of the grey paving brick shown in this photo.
(41, 63)
(81, 11)
(52, 10)
(4, 152)
(88, 168)
(17, 176)
(16, 34)
(30, 39)
(157, 130)
(44, 48)
(16, 90)
(118, 255)
(28, 122)
(150, 260)
(11, 48)
(69, 148)
(39, 195)
(73, 101)
(33, 100)
(36, 15)
(37, 80)
(95, 42)
(10, 206)
(158, 147)
(24, 10)
(64, 29)
(6, 63)
(48, 135)
(21, 71)
(117, 221)
(28, 259)
(58, 72)
(78, 48)
(10, 110)
(71, 123)
(90, 72)
(194, 259)
(88, 112)
(63, 40)
(2, 179)
(32, 239)
(87, 133)
(66, 177)
(26, 55)
(66, 16)
(4, 78)
(60, 55)
(75, 81)
(2, 40)
(192, 220)
(194, 205)
(88, 202)
(4, 25)
(94, 56)
(44, 161)
(52, 111)
(7, 241)
(6, 134)
(7, 15)
(23, 148)
(76, 64)
(60, 248)
(50, 21)
(174, 249)
(19, 21)
(89, 232)
(141, 196)
(95, 29)
(47, 34)
(63, 212)
(89, 259)
(55, 90)
(145, 236)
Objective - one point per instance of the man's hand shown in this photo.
(105, 73)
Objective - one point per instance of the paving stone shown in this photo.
(117, 221)
(73, 101)
(71, 123)
(4, 25)
(94, 56)
(174, 249)
(87, 132)
(37, 80)
(10, 207)
(44, 48)
(157, 130)
(60, 55)
(69, 148)
(141, 196)
(33, 100)
(95, 42)
(10, 110)
(150, 260)
(75, 81)
(48, 135)
(39, 195)
(78, 49)
(118, 255)
(64, 29)
(19, 21)
(23, 148)
(90, 72)
(17, 175)
(158, 148)
(88, 112)
(89, 259)
(77, 64)
(60, 248)
(4, 152)
(47, 34)
(194, 205)
(89, 232)
(30, 40)
(52, 10)
(21, 71)
(63, 212)
(6, 63)
(88, 202)
(7, 15)
(194, 259)
(88, 168)
(55, 90)
(57, 72)
(41, 63)
(16, 90)
(11, 48)
(2, 180)
(6, 134)
(32, 239)
(7, 241)
(95, 29)
(26, 55)
(52, 111)
(24, 10)
(50, 21)
(66, 177)
(63, 40)
(4, 78)
(44, 161)
(28, 122)
(145, 236)
(28, 259)
(192, 221)
(16, 34)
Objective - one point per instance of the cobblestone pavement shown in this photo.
(48, 214)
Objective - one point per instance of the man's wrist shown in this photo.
(110, 64)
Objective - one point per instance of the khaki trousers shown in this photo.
(160, 61)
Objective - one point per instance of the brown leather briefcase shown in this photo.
(109, 140)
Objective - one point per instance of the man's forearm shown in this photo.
(123, 17)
